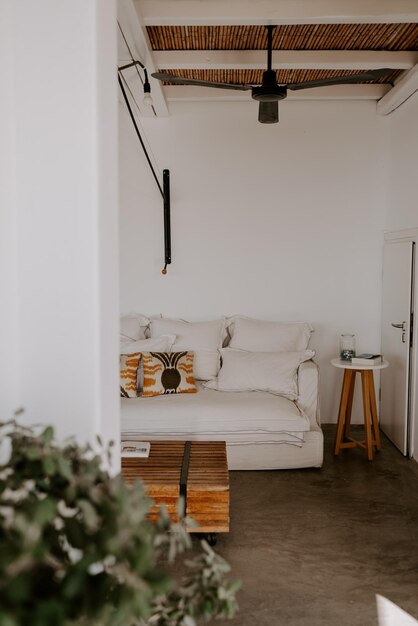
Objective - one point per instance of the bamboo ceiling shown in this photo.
(286, 37)
(376, 37)
(253, 77)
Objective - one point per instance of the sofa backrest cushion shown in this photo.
(275, 372)
(155, 344)
(133, 326)
(261, 336)
(202, 338)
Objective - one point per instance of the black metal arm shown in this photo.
(165, 192)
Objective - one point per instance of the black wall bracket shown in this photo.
(165, 189)
(167, 220)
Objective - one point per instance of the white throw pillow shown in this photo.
(202, 338)
(153, 344)
(275, 372)
(132, 327)
(157, 344)
(260, 336)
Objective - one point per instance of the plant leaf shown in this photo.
(33, 454)
(48, 465)
(89, 512)
(64, 467)
(48, 435)
(45, 511)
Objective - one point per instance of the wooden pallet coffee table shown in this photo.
(197, 470)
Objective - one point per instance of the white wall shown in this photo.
(277, 222)
(402, 210)
(62, 215)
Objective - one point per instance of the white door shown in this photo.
(396, 325)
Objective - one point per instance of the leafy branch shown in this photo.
(76, 547)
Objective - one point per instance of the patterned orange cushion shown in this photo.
(168, 372)
(129, 364)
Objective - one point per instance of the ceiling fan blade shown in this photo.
(169, 78)
(341, 80)
(268, 112)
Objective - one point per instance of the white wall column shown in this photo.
(8, 242)
(64, 129)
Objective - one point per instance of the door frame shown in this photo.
(411, 234)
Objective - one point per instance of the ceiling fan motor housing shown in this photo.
(269, 91)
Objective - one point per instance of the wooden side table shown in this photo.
(343, 439)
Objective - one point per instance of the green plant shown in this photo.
(76, 547)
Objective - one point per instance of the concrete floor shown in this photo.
(314, 547)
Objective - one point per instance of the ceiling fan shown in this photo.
(270, 92)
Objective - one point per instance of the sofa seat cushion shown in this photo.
(246, 416)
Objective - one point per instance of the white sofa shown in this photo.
(262, 430)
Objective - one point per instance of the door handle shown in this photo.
(402, 325)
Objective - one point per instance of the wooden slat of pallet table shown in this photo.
(207, 484)
(160, 473)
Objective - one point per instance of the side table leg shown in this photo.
(367, 413)
(350, 404)
(345, 393)
(373, 408)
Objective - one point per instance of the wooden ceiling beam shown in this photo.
(285, 59)
(213, 12)
(405, 87)
(180, 93)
